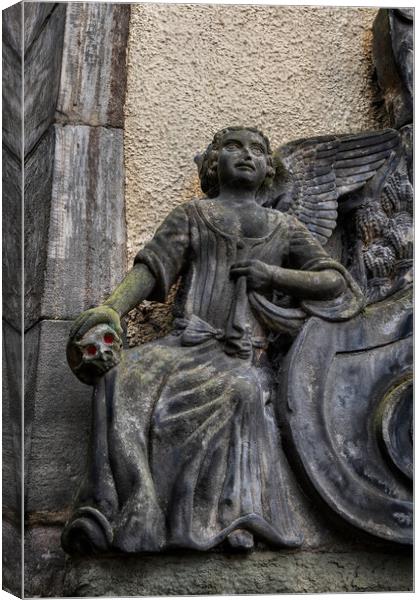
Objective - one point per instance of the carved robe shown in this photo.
(186, 446)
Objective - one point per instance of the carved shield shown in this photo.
(349, 416)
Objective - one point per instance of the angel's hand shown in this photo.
(259, 275)
(94, 316)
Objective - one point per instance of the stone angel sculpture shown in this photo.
(186, 449)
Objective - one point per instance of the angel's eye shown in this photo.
(232, 145)
(258, 150)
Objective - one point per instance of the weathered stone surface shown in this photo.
(60, 425)
(42, 77)
(86, 245)
(12, 399)
(12, 90)
(12, 558)
(31, 345)
(257, 573)
(93, 77)
(38, 185)
(393, 59)
(12, 299)
(36, 15)
(12, 27)
(44, 562)
(12, 238)
(325, 406)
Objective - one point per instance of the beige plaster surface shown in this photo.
(193, 69)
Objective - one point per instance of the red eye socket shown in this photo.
(108, 338)
(91, 350)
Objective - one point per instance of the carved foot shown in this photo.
(241, 540)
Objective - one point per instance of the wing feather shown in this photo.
(324, 168)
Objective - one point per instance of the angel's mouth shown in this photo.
(245, 167)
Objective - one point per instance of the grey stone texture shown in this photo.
(12, 298)
(42, 73)
(12, 79)
(74, 223)
(11, 557)
(12, 236)
(86, 235)
(257, 573)
(393, 56)
(39, 169)
(44, 561)
(93, 76)
(11, 421)
(59, 406)
(35, 19)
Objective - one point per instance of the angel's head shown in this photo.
(237, 155)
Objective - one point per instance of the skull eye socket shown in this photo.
(108, 338)
(91, 350)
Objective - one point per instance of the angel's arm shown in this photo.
(157, 266)
(309, 285)
(304, 279)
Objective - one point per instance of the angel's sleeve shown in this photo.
(165, 254)
(307, 254)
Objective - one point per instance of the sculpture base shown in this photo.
(261, 572)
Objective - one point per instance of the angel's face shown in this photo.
(242, 159)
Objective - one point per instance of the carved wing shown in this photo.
(313, 173)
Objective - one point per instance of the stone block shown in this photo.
(42, 76)
(12, 27)
(256, 573)
(93, 77)
(59, 407)
(38, 185)
(86, 245)
(44, 562)
(12, 236)
(31, 345)
(12, 558)
(12, 98)
(36, 15)
(11, 425)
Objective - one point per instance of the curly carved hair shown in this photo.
(207, 162)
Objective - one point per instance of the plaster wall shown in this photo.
(193, 69)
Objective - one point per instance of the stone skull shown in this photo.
(95, 353)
